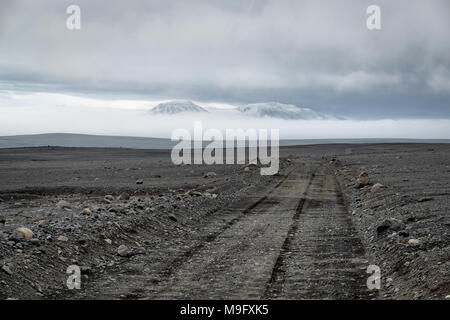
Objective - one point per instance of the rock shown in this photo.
(363, 180)
(124, 196)
(123, 251)
(86, 212)
(108, 199)
(108, 241)
(139, 181)
(63, 239)
(249, 166)
(63, 205)
(172, 217)
(85, 270)
(413, 241)
(377, 186)
(7, 269)
(43, 223)
(35, 242)
(24, 233)
(390, 224)
(425, 199)
(447, 297)
(403, 233)
(115, 209)
(210, 175)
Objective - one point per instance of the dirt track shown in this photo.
(237, 235)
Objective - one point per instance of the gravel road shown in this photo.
(140, 227)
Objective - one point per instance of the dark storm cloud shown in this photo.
(317, 54)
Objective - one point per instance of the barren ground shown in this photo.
(306, 233)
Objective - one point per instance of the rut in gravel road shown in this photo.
(294, 242)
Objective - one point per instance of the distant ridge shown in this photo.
(280, 110)
(174, 107)
(97, 141)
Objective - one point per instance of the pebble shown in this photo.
(63, 238)
(413, 241)
(86, 212)
(139, 181)
(124, 196)
(24, 233)
(376, 187)
(7, 269)
(390, 224)
(63, 205)
(108, 199)
(210, 175)
(43, 223)
(363, 180)
(123, 251)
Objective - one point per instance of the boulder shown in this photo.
(62, 204)
(123, 251)
(390, 224)
(210, 175)
(376, 187)
(363, 180)
(24, 233)
(63, 239)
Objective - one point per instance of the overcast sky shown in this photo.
(316, 54)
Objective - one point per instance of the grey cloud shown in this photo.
(314, 54)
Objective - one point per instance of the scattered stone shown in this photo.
(403, 233)
(249, 166)
(86, 212)
(425, 199)
(63, 205)
(85, 270)
(363, 180)
(43, 223)
(390, 224)
(377, 186)
(7, 269)
(123, 251)
(172, 217)
(63, 239)
(414, 241)
(35, 242)
(115, 209)
(24, 233)
(108, 199)
(139, 181)
(124, 196)
(210, 175)
(108, 241)
(196, 193)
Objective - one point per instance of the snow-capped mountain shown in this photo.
(280, 110)
(173, 107)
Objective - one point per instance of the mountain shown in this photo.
(173, 107)
(280, 110)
